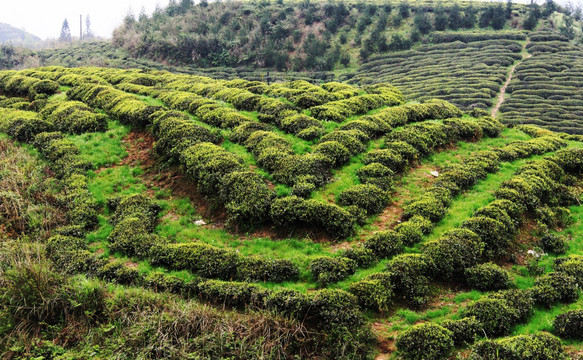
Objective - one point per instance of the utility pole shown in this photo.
(80, 27)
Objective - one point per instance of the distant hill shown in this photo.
(303, 36)
(10, 34)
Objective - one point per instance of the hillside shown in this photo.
(12, 35)
(299, 36)
(159, 215)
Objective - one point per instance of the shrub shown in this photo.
(411, 231)
(464, 331)
(520, 300)
(541, 346)
(330, 308)
(369, 197)
(409, 277)
(389, 158)
(256, 268)
(303, 189)
(22, 125)
(337, 152)
(288, 302)
(554, 287)
(138, 206)
(246, 197)
(492, 233)
(326, 270)
(385, 244)
(427, 207)
(573, 266)
(453, 253)
(376, 174)
(363, 257)
(493, 315)
(374, 292)
(131, 237)
(554, 243)
(425, 342)
(569, 325)
(232, 293)
(488, 277)
(352, 140)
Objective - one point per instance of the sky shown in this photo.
(44, 18)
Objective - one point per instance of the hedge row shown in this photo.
(378, 96)
(306, 95)
(468, 74)
(432, 205)
(545, 89)
(126, 108)
(227, 177)
(323, 309)
(400, 149)
(22, 125)
(74, 117)
(460, 252)
(15, 84)
(351, 138)
(134, 221)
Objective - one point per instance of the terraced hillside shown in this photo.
(547, 87)
(184, 216)
(465, 69)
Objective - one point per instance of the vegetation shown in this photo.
(155, 214)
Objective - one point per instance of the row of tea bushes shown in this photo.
(125, 107)
(400, 149)
(67, 116)
(490, 230)
(431, 206)
(466, 72)
(306, 95)
(22, 125)
(378, 96)
(351, 138)
(74, 117)
(332, 310)
(244, 194)
(545, 89)
(496, 314)
(134, 220)
(14, 84)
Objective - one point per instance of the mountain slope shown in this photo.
(10, 34)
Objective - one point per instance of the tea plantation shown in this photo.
(148, 214)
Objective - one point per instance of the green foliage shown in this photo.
(488, 277)
(374, 292)
(537, 346)
(452, 254)
(369, 197)
(494, 315)
(569, 325)
(326, 270)
(425, 341)
(555, 287)
(464, 331)
(385, 244)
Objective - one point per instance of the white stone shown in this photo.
(435, 173)
(200, 222)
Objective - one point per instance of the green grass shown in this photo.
(102, 148)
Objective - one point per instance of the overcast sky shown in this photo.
(44, 18)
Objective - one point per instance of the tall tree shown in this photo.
(88, 30)
(65, 32)
(440, 18)
(455, 17)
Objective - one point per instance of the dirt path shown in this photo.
(500, 100)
